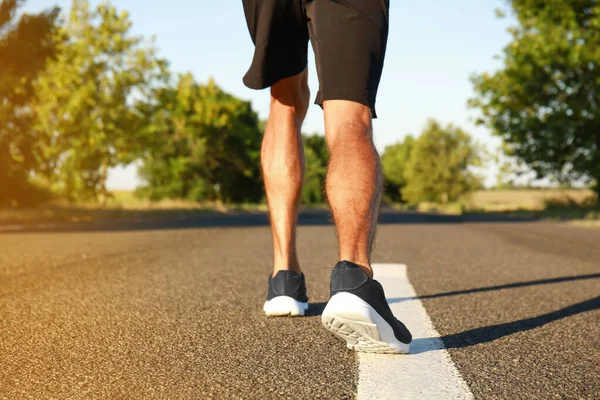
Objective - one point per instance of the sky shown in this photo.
(434, 46)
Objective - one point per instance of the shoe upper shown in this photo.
(287, 283)
(350, 278)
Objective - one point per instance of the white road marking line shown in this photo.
(427, 372)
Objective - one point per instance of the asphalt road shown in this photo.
(172, 309)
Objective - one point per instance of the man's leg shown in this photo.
(354, 179)
(282, 158)
(280, 35)
(357, 311)
(349, 67)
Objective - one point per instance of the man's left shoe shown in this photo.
(286, 295)
(358, 313)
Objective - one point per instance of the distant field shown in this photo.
(550, 203)
(556, 204)
(527, 199)
(127, 200)
(124, 205)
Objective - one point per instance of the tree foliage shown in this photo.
(81, 94)
(25, 47)
(439, 167)
(207, 146)
(544, 103)
(394, 160)
(86, 118)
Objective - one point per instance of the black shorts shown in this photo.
(348, 36)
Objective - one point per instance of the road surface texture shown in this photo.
(172, 308)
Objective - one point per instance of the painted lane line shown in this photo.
(427, 372)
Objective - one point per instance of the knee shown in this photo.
(291, 94)
(347, 125)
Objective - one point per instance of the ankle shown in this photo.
(296, 270)
(290, 266)
(364, 265)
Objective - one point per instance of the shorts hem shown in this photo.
(366, 98)
(263, 83)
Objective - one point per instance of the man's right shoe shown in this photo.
(359, 313)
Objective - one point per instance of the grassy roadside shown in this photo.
(575, 206)
(122, 206)
(554, 212)
(53, 213)
(589, 223)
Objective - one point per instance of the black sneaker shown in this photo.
(359, 313)
(286, 295)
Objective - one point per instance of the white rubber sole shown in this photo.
(282, 306)
(354, 320)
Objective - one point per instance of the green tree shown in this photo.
(25, 47)
(85, 109)
(439, 168)
(317, 158)
(545, 102)
(394, 160)
(207, 146)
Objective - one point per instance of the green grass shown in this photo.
(123, 205)
(589, 223)
(577, 206)
(54, 213)
(575, 214)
